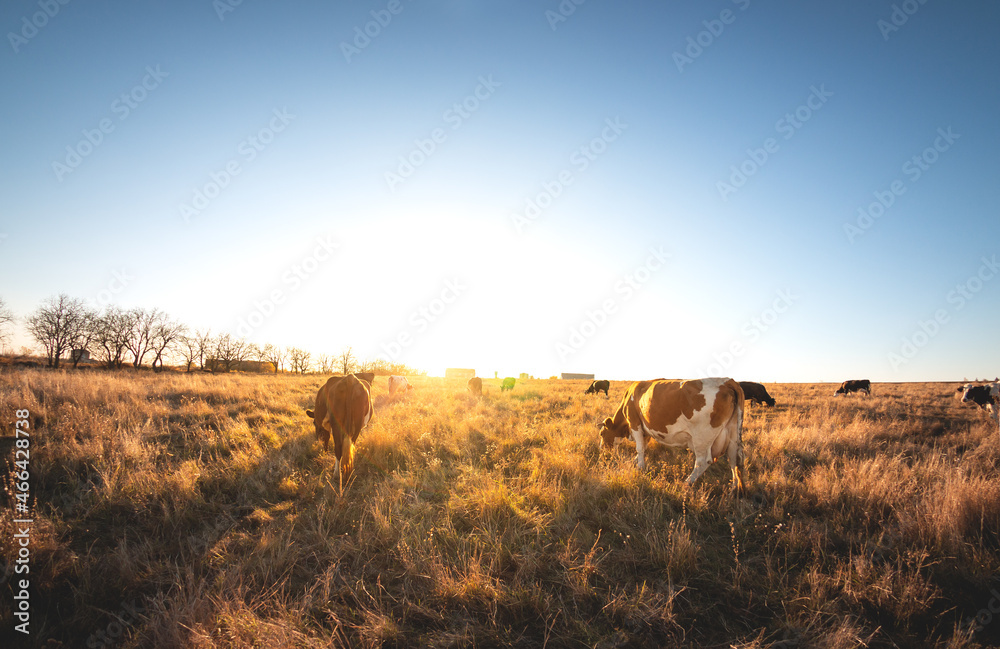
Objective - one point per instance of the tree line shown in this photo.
(66, 327)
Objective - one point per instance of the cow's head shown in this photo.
(611, 433)
(323, 429)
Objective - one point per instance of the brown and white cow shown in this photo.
(343, 408)
(398, 384)
(706, 415)
(475, 386)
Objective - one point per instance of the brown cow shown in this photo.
(475, 386)
(366, 376)
(706, 415)
(343, 408)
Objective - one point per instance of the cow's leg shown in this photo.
(737, 462)
(640, 447)
(702, 458)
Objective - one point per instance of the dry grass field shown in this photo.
(197, 510)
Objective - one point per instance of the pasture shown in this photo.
(199, 511)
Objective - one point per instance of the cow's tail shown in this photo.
(352, 421)
(737, 456)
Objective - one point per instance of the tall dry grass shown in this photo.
(205, 502)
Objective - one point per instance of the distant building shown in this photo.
(524, 376)
(584, 377)
(459, 373)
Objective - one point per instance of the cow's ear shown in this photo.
(311, 413)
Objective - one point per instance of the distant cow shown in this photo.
(508, 384)
(985, 396)
(343, 408)
(366, 376)
(597, 386)
(706, 415)
(757, 393)
(398, 384)
(857, 385)
(475, 385)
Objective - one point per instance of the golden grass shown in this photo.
(497, 521)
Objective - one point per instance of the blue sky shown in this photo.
(630, 189)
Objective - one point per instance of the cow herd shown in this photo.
(705, 415)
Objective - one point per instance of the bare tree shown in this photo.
(274, 355)
(346, 361)
(188, 347)
(85, 335)
(299, 360)
(325, 363)
(166, 333)
(205, 342)
(6, 320)
(140, 336)
(56, 324)
(229, 352)
(112, 331)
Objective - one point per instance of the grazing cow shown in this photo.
(398, 384)
(508, 384)
(757, 393)
(856, 385)
(343, 408)
(475, 385)
(706, 415)
(597, 386)
(985, 396)
(366, 376)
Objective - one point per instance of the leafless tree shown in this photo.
(56, 324)
(346, 361)
(166, 333)
(325, 363)
(141, 334)
(299, 360)
(6, 320)
(274, 355)
(112, 330)
(188, 347)
(229, 352)
(205, 344)
(85, 336)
